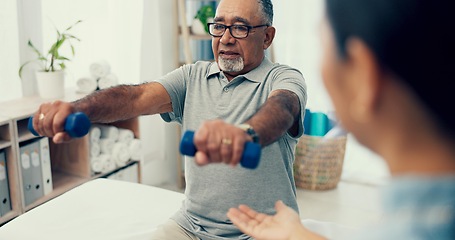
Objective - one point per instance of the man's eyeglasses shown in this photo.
(237, 31)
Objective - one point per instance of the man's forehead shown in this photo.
(234, 19)
(245, 11)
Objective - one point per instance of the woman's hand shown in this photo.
(285, 224)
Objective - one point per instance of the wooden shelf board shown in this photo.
(9, 216)
(23, 133)
(4, 144)
(5, 132)
(24, 136)
(102, 175)
(4, 120)
(26, 106)
(200, 37)
(194, 36)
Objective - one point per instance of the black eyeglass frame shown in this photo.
(235, 25)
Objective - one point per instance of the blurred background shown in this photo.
(142, 40)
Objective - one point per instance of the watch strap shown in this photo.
(250, 131)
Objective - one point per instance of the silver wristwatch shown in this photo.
(250, 131)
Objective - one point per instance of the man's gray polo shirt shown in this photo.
(201, 92)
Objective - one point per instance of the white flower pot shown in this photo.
(51, 84)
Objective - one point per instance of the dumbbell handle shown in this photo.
(250, 157)
(76, 125)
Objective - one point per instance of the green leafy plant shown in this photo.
(204, 13)
(53, 61)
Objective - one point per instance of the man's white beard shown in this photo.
(231, 65)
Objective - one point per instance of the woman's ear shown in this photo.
(364, 74)
(269, 36)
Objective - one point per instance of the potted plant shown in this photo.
(204, 15)
(50, 78)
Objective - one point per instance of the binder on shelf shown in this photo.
(46, 169)
(5, 200)
(37, 172)
(31, 171)
(26, 172)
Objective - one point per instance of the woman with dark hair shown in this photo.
(389, 68)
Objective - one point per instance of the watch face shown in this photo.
(250, 131)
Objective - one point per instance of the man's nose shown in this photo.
(227, 38)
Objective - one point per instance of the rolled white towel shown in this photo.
(125, 135)
(108, 131)
(96, 165)
(135, 148)
(108, 81)
(106, 145)
(120, 154)
(95, 149)
(95, 134)
(100, 69)
(86, 84)
(99, 162)
(109, 166)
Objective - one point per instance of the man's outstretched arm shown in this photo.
(109, 105)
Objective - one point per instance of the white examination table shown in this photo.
(105, 209)
(99, 209)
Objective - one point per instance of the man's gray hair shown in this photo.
(267, 11)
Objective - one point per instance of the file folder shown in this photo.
(37, 172)
(5, 201)
(46, 169)
(26, 173)
(31, 171)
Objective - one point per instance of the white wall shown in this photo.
(9, 50)
(158, 57)
(297, 43)
(111, 30)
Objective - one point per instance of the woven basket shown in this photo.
(319, 162)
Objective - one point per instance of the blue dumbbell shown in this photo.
(76, 125)
(250, 157)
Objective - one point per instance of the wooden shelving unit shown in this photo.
(185, 30)
(6, 145)
(70, 161)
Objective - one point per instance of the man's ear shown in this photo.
(364, 74)
(269, 36)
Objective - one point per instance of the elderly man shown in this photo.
(240, 97)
